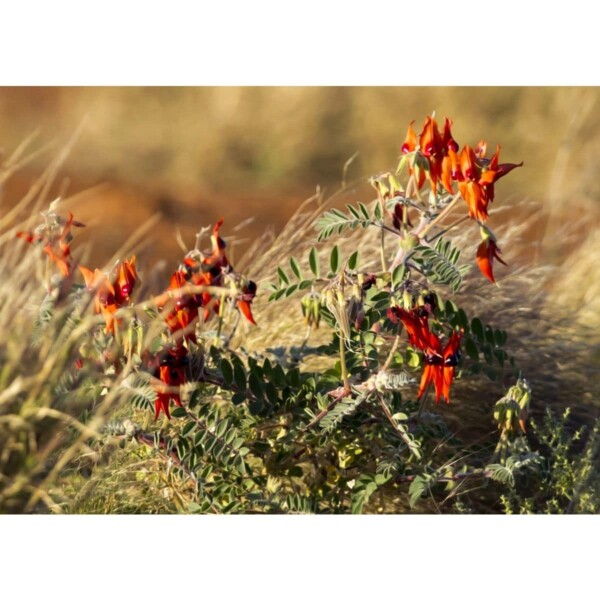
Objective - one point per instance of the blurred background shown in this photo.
(195, 154)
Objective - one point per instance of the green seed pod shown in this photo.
(409, 241)
(316, 313)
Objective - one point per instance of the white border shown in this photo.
(299, 557)
(381, 42)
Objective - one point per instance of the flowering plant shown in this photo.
(265, 430)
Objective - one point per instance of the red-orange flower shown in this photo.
(479, 176)
(203, 271)
(487, 251)
(209, 271)
(245, 300)
(57, 237)
(410, 143)
(439, 362)
(111, 292)
(182, 307)
(417, 327)
(439, 149)
(126, 280)
(171, 367)
(104, 299)
(439, 369)
(217, 261)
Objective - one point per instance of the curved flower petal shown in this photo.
(487, 251)
(410, 142)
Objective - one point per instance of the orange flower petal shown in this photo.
(410, 142)
(246, 310)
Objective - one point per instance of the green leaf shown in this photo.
(334, 259)
(240, 377)
(195, 398)
(255, 406)
(471, 349)
(277, 295)
(289, 291)
(381, 479)
(271, 392)
(353, 260)
(353, 211)
(358, 501)
(278, 376)
(487, 354)
(221, 429)
(500, 337)
(450, 308)
(398, 275)
(365, 211)
(500, 355)
(227, 371)
(501, 473)
(255, 385)
(377, 212)
(313, 262)
(282, 276)
(417, 487)
(238, 398)
(412, 358)
(187, 428)
(295, 267)
(178, 412)
(462, 319)
(477, 328)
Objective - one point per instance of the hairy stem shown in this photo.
(441, 216)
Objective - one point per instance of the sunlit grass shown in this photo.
(57, 455)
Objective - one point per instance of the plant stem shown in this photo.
(386, 227)
(388, 360)
(444, 231)
(443, 214)
(423, 403)
(220, 325)
(343, 365)
(382, 250)
(343, 394)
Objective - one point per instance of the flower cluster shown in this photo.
(191, 293)
(55, 234)
(170, 364)
(440, 362)
(438, 150)
(111, 290)
(182, 300)
(197, 291)
(475, 175)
